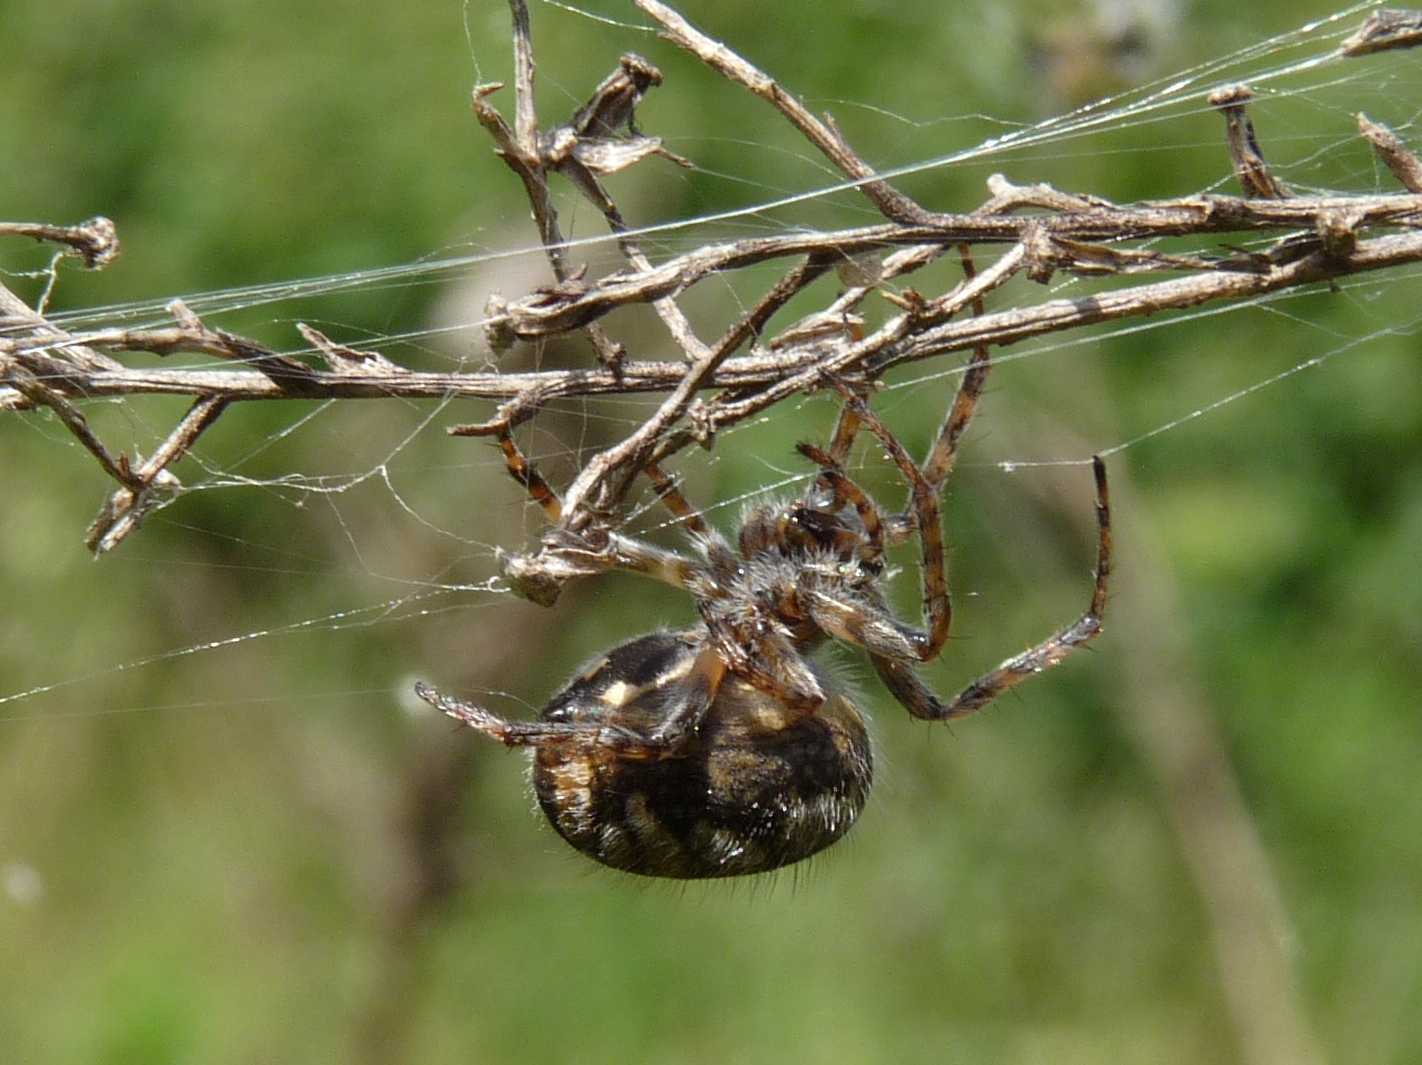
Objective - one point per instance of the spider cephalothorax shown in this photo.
(724, 749)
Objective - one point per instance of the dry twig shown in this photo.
(750, 367)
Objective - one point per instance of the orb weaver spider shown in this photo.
(723, 749)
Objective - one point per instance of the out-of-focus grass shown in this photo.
(198, 857)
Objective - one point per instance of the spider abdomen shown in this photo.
(758, 786)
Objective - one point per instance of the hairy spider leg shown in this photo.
(621, 552)
(944, 453)
(937, 607)
(699, 688)
(846, 428)
(718, 553)
(899, 677)
(658, 563)
(526, 474)
(938, 463)
(922, 516)
(672, 498)
(698, 691)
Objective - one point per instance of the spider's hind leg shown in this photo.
(606, 708)
(509, 733)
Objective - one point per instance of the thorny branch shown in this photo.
(752, 365)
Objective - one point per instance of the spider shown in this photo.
(724, 749)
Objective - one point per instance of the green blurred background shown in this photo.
(1201, 842)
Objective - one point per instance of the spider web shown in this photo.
(368, 506)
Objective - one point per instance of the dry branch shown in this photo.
(710, 386)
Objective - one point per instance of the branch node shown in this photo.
(499, 332)
(1338, 232)
(1042, 257)
(701, 423)
(152, 484)
(508, 416)
(95, 240)
(1382, 31)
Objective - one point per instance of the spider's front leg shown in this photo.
(898, 676)
(923, 500)
(853, 617)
